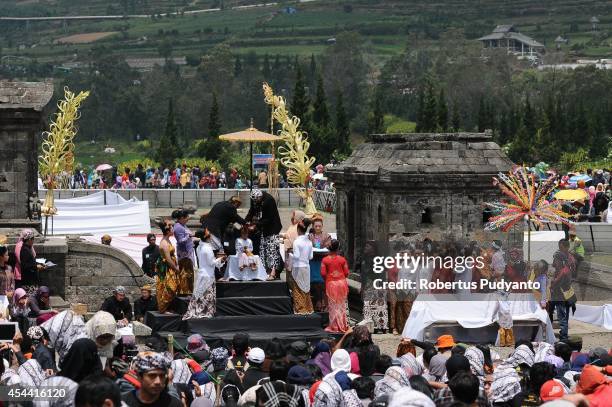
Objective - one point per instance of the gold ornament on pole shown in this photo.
(294, 154)
(58, 148)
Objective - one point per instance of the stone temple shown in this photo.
(21, 122)
(427, 184)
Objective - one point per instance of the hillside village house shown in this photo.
(506, 36)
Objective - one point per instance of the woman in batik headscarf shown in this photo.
(202, 303)
(394, 379)
(102, 329)
(167, 269)
(184, 251)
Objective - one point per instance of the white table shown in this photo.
(478, 312)
(232, 271)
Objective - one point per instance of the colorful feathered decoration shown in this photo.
(526, 198)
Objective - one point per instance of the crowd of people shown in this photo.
(180, 177)
(93, 367)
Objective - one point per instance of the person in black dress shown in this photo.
(150, 254)
(264, 214)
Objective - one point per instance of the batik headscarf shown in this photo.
(521, 355)
(329, 394)
(102, 323)
(219, 357)
(394, 379)
(146, 361)
(181, 371)
(278, 394)
(56, 382)
(411, 364)
(31, 373)
(542, 350)
(506, 384)
(437, 367)
(407, 397)
(256, 193)
(63, 329)
(36, 334)
(477, 361)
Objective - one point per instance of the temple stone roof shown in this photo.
(426, 153)
(25, 95)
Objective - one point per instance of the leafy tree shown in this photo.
(169, 149)
(442, 112)
(376, 119)
(343, 132)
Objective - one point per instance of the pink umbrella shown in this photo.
(104, 167)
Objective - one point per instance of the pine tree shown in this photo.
(529, 118)
(266, 70)
(420, 111)
(277, 63)
(519, 151)
(482, 115)
(456, 120)
(430, 111)
(442, 112)
(169, 149)
(343, 133)
(376, 119)
(504, 129)
(237, 66)
(214, 119)
(313, 71)
(210, 148)
(320, 113)
(300, 102)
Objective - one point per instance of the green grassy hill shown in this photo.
(388, 26)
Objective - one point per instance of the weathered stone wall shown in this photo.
(93, 270)
(18, 162)
(21, 121)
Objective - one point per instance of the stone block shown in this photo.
(102, 281)
(93, 263)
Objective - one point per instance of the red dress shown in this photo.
(334, 269)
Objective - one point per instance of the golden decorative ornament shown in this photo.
(294, 154)
(58, 146)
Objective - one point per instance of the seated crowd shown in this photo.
(97, 367)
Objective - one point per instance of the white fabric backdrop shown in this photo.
(130, 245)
(89, 215)
(600, 315)
(429, 308)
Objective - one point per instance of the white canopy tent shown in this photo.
(103, 212)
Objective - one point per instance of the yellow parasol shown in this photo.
(571, 195)
(250, 135)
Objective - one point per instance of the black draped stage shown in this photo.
(263, 309)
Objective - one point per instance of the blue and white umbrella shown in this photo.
(581, 177)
